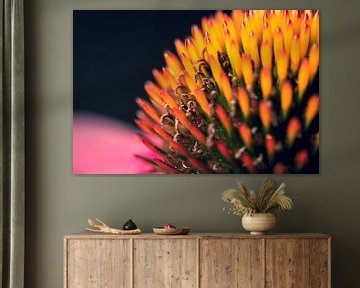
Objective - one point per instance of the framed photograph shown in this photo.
(196, 92)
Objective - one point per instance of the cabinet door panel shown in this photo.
(165, 263)
(319, 263)
(287, 263)
(98, 263)
(231, 263)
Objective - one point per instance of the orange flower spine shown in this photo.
(223, 117)
(312, 109)
(244, 102)
(293, 130)
(266, 82)
(286, 98)
(265, 114)
(303, 77)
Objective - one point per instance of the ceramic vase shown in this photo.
(259, 223)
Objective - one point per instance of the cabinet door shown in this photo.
(320, 263)
(165, 263)
(287, 263)
(98, 263)
(231, 263)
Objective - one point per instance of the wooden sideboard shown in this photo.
(197, 260)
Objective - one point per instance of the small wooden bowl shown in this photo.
(171, 231)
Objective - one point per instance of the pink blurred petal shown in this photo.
(105, 146)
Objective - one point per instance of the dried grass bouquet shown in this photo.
(267, 200)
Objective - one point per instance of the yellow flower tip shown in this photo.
(202, 100)
(282, 64)
(207, 38)
(266, 82)
(244, 36)
(154, 92)
(234, 56)
(219, 19)
(205, 24)
(265, 112)
(293, 130)
(173, 63)
(169, 100)
(230, 27)
(215, 67)
(306, 17)
(187, 65)
(295, 54)
(225, 86)
(301, 159)
(258, 23)
(245, 134)
(303, 77)
(160, 79)
(224, 118)
(270, 145)
(267, 33)
(210, 47)
(180, 48)
(244, 103)
(170, 79)
(297, 20)
(288, 35)
(247, 71)
(189, 81)
(225, 27)
(193, 52)
(285, 14)
(314, 60)
(266, 54)
(286, 97)
(238, 17)
(216, 35)
(304, 39)
(254, 50)
(198, 37)
(312, 109)
(278, 42)
(273, 21)
(266, 16)
(314, 35)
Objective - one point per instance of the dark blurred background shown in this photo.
(115, 51)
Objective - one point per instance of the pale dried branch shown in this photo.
(100, 227)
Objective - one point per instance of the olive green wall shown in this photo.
(59, 203)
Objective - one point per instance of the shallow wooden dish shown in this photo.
(171, 231)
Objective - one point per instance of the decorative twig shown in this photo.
(100, 227)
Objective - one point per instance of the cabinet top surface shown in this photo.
(86, 235)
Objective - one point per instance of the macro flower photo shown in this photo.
(196, 92)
